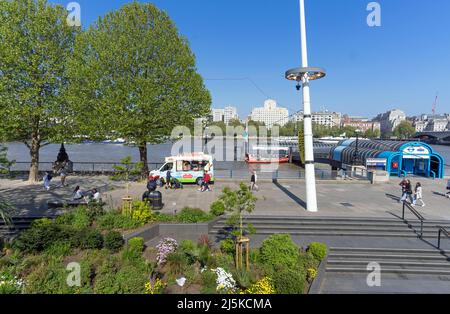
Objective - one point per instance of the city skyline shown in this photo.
(243, 61)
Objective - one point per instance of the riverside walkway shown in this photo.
(282, 198)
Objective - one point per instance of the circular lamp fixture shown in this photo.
(313, 73)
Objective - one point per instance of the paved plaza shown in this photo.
(283, 198)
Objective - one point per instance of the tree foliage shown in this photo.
(404, 130)
(135, 78)
(236, 202)
(35, 43)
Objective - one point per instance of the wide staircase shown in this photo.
(335, 226)
(406, 250)
(18, 225)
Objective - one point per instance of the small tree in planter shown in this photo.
(237, 202)
(123, 172)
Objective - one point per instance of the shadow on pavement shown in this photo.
(291, 195)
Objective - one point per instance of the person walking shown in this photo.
(47, 179)
(418, 196)
(253, 180)
(448, 189)
(63, 175)
(168, 180)
(407, 192)
(403, 184)
(206, 181)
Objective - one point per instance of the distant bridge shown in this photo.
(440, 138)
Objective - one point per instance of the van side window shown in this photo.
(187, 166)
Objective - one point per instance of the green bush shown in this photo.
(89, 239)
(289, 280)
(81, 219)
(227, 246)
(113, 220)
(59, 249)
(279, 249)
(141, 212)
(318, 250)
(217, 208)
(114, 241)
(176, 263)
(42, 236)
(193, 215)
(134, 249)
(41, 222)
(307, 260)
(209, 285)
(160, 217)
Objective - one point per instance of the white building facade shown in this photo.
(229, 114)
(217, 114)
(271, 114)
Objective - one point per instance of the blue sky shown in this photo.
(401, 64)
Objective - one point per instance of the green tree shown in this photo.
(404, 130)
(135, 77)
(236, 202)
(5, 164)
(35, 43)
(236, 123)
(372, 134)
(256, 128)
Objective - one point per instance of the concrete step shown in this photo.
(390, 270)
(288, 228)
(325, 233)
(331, 219)
(416, 264)
(374, 257)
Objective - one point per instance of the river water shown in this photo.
(109, 153)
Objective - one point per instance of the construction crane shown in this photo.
(435, 104)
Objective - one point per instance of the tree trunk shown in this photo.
(143, 159)
(34, 153)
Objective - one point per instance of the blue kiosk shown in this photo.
(397, 158)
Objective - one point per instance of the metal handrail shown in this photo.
(441, 231)
(416, 213)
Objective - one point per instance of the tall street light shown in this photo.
(303, 76)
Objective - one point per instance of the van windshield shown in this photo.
(167, 167)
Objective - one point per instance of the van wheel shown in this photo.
(199, 181)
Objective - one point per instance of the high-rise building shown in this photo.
(271, 114)
(217, 114)
(230, 113)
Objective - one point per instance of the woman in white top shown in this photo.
(418, 195)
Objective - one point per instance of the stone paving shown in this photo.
(283, 198)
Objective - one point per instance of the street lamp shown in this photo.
(356, 159)
(302, 76)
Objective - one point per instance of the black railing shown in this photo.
(441, 231)
(416, 213)
(81, 167)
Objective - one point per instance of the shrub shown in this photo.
(116, 221)
(134, 249)
(307, 260)
(10, 284)
(114, 241)
(279, 249)
(227, 246)
(41, 222)
(318, 250)
(289, 280)
(89, 239)
(217, 208)
(209, 285)
(42, 236)
(141, 212)
(160, 217)
(176, 264)
(81, 219)
(311, 274)
(204, 240)
(165, 247)
(190, 250)
(243, 278)
(59, 249)
(263, 286)
(192, 215)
